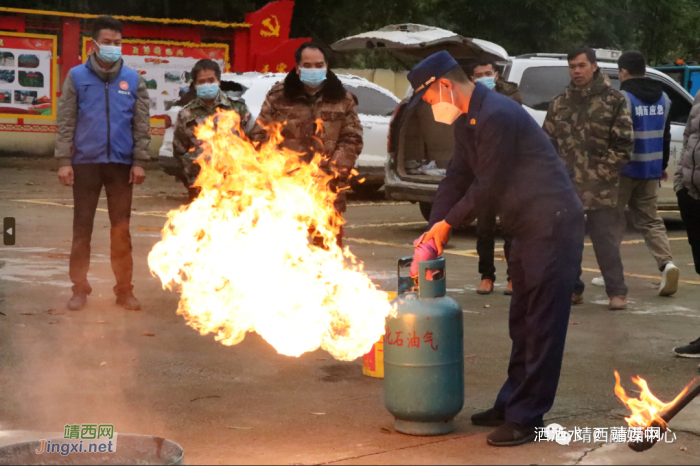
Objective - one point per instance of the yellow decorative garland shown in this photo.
(217, 24)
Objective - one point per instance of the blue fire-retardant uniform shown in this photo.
(502, 155)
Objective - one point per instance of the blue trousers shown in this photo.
(544, 266)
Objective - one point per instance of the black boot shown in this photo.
(510, 434)
(490, 418)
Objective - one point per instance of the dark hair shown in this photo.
(105, 22)
(633, 61)
(481, 61)
(309, 45)
(589, 52)
(205, 64)
(457, 75)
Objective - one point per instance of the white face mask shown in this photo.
(445, 112)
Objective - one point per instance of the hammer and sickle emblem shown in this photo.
(272, 30)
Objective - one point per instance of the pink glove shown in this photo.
(423, 252)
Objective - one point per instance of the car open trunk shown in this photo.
(420, 148)
(423, 147)
(420, 41)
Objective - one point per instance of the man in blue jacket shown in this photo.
(103, 136)
(503, 156)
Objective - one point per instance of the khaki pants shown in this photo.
(641, 196)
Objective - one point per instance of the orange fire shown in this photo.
(647, 408)
(241, 256)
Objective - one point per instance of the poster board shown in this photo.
(27, 75)
(165, 66)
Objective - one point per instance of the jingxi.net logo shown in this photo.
(82, 438)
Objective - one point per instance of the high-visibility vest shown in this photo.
(649, 121)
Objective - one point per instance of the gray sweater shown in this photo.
(688, 172)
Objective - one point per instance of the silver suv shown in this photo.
(420, 148)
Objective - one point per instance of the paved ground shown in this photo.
(147, 372)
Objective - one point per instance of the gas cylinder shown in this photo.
(423, 354)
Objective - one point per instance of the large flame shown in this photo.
(242, 258)
(647, 408)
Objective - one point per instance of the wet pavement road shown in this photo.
(148, 372)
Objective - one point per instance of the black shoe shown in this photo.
(77, 302)
(491, 418)
(510, 434)
(129, 302)
(689, 351)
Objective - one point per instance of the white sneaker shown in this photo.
(669, 280)
(598, 281)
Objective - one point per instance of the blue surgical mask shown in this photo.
(109, 53)
(313, 77)
(208, 91)
(488, 81)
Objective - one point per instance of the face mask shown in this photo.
(313, 77)
(488, 81)
(109, 53)
(208, 91)
(445, 112)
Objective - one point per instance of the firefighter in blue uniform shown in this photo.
(502, 155)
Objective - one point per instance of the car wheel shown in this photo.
(425, 208)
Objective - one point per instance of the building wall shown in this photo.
(394, 81)
(36, 138)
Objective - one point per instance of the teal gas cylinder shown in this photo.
(423, 355)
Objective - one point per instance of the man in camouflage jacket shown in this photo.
(298, 106)
(591, 126)
(186, 146)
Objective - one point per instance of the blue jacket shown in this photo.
(502, 155)
(103, 130)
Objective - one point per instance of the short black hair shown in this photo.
(589, 52)
(633, 61)
(309, 45)
(481, 61)
(105, 22)
(205, 64)
(457, 75)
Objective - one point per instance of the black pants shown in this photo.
(543, 268)
(87, 186)
(690, 213)
(603, 227)
(486, 242)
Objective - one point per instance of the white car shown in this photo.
(420, 148)
(375, 107)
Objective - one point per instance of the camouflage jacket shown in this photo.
(508, 89)
(592, 131)
(340, 139)
(186, 147)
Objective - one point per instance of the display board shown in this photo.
(165, 66)
(27, 75)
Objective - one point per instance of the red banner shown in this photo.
(281, 59)
(270, 26)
